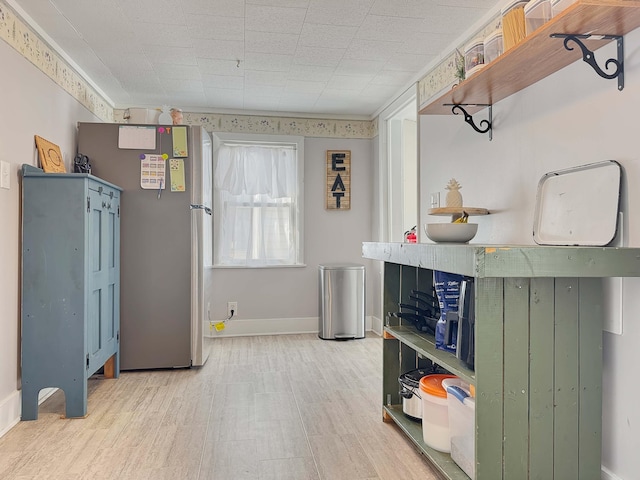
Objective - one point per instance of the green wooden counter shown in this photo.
(538, 363)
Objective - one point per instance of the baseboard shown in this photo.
(9, 412)
(11, 408)
(268, 326)
(376, 325)
(606, 474)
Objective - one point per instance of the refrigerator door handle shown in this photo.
(206, 209)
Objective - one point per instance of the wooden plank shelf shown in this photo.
(458, 211)
(441, 461)
(539, 55)
(484, 261)
(426, 346)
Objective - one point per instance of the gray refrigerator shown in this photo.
(165, 237)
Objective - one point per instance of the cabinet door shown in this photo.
(110, 318)
(103, 282)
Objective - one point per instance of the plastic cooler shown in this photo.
(462, 420)
(435, 412)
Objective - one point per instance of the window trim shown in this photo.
(264, 139)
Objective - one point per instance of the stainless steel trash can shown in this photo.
(341, 301)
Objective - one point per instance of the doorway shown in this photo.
(402, 151)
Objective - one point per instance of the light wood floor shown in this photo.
(277, 407)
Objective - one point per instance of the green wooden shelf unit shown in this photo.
(538, 364)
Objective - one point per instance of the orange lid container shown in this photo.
(432, 384)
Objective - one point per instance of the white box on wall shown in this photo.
(141, 115)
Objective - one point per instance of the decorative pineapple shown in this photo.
(454, 197)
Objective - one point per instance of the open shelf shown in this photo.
(538, 407)
(442, 461)
(425, 345)
(539, 55)
(458, 211)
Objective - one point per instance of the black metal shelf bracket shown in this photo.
(486, 124)
(588, 56)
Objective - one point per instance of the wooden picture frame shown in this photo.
(50, 155)
(338, 183)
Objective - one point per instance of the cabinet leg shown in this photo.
(76, 399)
(29, 403)
(386, 418)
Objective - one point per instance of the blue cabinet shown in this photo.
(70, 299)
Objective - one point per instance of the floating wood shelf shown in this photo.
(539, 55)
(458, 211)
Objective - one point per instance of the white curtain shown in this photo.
(256, 190)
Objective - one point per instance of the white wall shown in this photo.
(571, 118)
(269, 295)
(409, 173)
(32, 104)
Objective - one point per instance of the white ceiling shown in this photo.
(317, 57)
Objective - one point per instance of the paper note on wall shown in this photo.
(139, 138)
(176, 173)
(179, 137)
(152, 172)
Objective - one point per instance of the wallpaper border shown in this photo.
(20, 36)
(275, 125)
(16, 33)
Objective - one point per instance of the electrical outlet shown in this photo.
(5, 179)
(232, 306)
(435, 200)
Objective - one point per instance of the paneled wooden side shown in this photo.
(566, 374)
(408, 360)
(391, 346)
(489, 378)
(425, 280)
(591, 314)
(408, 282)
(112, 329)
(53, 332)
(390, 371)
(516, 377)
(391, 291)
(541, 345)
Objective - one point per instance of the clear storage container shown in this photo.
(513, 25)
(435, 412)
(462, 421)
(536, 14)
(493, 46)
(473, 57)
(558, 6)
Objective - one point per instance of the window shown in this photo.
(258, 200)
